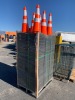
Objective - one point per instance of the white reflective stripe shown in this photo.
(33, 17)
(44, 16)
(50, 18)
(50, 25)
(37, 19)
(25, 12)
(25, 21)
(43, 24)
(40, 19)
(38, 11)
(32, 24)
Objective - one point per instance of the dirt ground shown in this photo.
(57, 90)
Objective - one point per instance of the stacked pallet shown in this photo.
(64, 62)
(35, 59)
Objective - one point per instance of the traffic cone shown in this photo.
(32, 22)
(49, 28)
(37, 24)
(25, 21)
(44, 24)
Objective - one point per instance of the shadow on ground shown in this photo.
(10, 46)
(8, 74)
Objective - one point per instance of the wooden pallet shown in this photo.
(33, 94)
(72, 76)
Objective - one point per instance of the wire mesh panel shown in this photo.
(46, 59)
(64, 60)
(26, 60)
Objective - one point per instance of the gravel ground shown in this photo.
(57, 90)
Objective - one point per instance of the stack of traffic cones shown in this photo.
(43, 24)
(25, 21)
(38, 24)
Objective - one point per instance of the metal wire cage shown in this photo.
(64, 60)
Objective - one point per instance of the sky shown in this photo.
(63, 11)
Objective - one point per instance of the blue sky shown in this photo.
(63, 11)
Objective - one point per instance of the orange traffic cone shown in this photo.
(25, 23)
(43, 24)
(32, 22)
(49, 28)
(37, 24)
